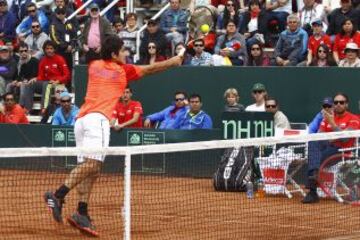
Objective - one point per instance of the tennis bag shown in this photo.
(234, 170)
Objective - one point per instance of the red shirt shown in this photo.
(346, 121)
(106, 84)
(53, 68)
(124, 113)
(313, 44)
(341, 41)
(15, 115)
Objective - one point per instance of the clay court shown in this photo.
(169, 208)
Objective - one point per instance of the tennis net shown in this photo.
(166, 192)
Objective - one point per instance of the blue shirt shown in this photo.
(188, 121)
(60, 119)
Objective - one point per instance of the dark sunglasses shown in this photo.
(94, 10)
(321, 51)
(229, 5)
(257, 91)
(327, 106)
(66, 101)
(179, 99)
(31, 11)
(198, 45)
(270, 106)
(253, 49)
(2, 4)
(22, 51)
(9, 99)
(35, 26)
(339, 102)
(150, 47)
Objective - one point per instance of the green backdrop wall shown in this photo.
(299, 90)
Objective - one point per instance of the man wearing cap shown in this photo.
(95, 31)
(338, 15)
(310, 12)
(67, 113)
(318, 37)
(351, 56)
(62, 33)
(11, 112)
(258, 93)
(153, 33)
(7, 22)
(327, 105)
(8, 69)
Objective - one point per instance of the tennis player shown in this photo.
(108, 78)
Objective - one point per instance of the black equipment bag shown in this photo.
(234, 170)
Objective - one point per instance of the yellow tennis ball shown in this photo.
(205, 28)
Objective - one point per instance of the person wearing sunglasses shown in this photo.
(152, 33)
(259, 94)
(201, 57)
(66, 114)
(280, 119)
(257, 56)
(323, 57)
(24, 28)
(339, 119)
(36, 39)
(11, 112)
(152, 55)
(351, 56)
(166, 117)
(327, 104)
(231, 12)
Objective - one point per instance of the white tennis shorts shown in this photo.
(92, 131)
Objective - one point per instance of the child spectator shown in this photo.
(232, 104)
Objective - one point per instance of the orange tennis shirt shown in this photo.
(107, 82)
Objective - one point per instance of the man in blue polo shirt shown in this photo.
(66, 114)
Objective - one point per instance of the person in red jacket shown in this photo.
(12, 112)
(53, 71)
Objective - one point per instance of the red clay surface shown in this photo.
(169, 208)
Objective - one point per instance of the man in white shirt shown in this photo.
(258, 93)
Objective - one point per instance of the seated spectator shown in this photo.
(7, 22)
(232, 104)
(118, 25)
(187, 56)
(318, 37)
(128, 34)
(24, 28)
(257, 56)
(8, 70)
(323, 57)
(351, 56)
(259, 94)
(167, 116)
(152, 55)
(327, 105)
(152, 33)
(338, 120)
(231, 12)
(54, 104)
(280, 120)
(201, 58)
(347, 34)
(12, 112)
(208, 37)
(254, 23)
(19, 9)
(174, 23)
(66, 114)
(311, 11)
(28, 70)
(127, 112)
(95, 30)
(338, 16)
(194, 117)
(36, 39)
(53, 71)
(225, 45)
(278, 10)
(62, 34)
(12, 52)
(292, 44)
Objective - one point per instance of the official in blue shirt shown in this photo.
(66, 114)
(194, 118)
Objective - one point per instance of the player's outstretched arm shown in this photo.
(162, 66)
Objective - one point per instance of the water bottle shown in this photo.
(260, 193)
(249, 190)
(354, 193)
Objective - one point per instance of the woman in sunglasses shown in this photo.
(231, 12)
(152, 55)
(257, 56)
(323, 57)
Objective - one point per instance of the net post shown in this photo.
(127, 196)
